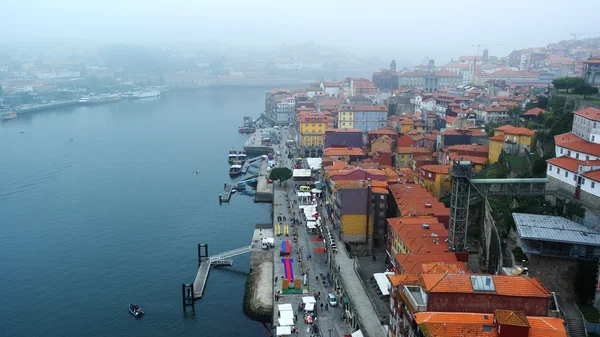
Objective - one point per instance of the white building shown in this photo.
(284, 110)
(576, 170)
(311, 92)
(333, 89)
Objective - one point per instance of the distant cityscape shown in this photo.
(467, 193)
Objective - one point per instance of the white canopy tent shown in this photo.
(311, 225)
(316, 191)
(315, 164)
(309, 307)
(309, 299)
(287, 318)
(285, 307)
(301, 174)
(383, 282)
(284, 330)
(357, 333)
(308, 210)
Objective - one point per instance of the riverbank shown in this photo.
(258, 296)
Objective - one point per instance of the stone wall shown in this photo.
(590, 199)
(258, 297)
(558, 275)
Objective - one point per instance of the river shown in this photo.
(114, 216)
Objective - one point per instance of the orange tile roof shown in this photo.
(441, 169)
(461, 132)
(478, 148)
(534, 112)
(370, 108)
(337, 165)
(568, 163)
(589, 113)
(384, 131)
(442, 268)
(473, 159)
(572, 142)
(510, 317)
(413, 263)
(517, 286)
(511, 130)
(343, 151)
(385, 138)
(594, 175)
(412, 149)
(460, 324)
(397, 279)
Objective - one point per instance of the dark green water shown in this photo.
(88, 226)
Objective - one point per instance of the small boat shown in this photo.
(233, 155)
(240, 186)
(235, 170)
(242, 156)
(233, 191)
(9, 115)
(135, 310)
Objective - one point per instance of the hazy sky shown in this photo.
(405, 29)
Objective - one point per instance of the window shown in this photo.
(574, 177)
(561, 150)
(557, 170)
(569, 153)
(524, 138)
(582, 181)
(593, 184)
(549, 168)
(576, 155)
(593, 138)
(429, 175)
(587, 157)
(382, 213)
(566, 174)
(382, 197)
(594, 125)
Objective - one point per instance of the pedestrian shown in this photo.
(373, 258)
(321, 306)
(326, 306)
(319, 294)
(317, 277)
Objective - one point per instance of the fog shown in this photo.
(405, 30)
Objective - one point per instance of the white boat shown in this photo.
(9, 115)
(147, 94)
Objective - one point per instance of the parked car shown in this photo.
(332, 300)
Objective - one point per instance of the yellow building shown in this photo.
(406, 125)
(405, 155)
(345, 117)
(512, 140)
(383, 143)
(312, 129)
(435, 179)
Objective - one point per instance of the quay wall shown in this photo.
(258, 296)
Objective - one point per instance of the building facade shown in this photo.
(591, 71)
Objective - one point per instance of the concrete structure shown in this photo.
(576, 170)
(430, 80)
(591, 71)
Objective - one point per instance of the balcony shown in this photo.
(413, 293)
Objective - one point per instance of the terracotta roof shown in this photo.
(511, 130)
(442, 268)
(593, 175)
(396, 279)
(572, 142)
(473, 159)
(337, 165)
(498, 138)
(510, 317)
(343, 151)
(385, 138)
(517, 286)
(442, 169)
(461, 324)
(412, 149)
(565, 162)
(589, 113)
(413, 263)
(534, 112)
(370, 108)
(384, 131)
(462, 132)
(474, 148)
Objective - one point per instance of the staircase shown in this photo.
(573, 318)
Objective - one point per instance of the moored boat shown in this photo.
(233, 155)
(242, 156)
(9, 115)
(235, 170)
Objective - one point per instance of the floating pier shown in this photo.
(191, 292)
(226, 195)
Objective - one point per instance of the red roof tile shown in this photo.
(565, 162)
(572, 142)
(442, 169)
(534, 112)
(511, 130)
(518, 286)
(589, 113)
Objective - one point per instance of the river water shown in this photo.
(113, 217)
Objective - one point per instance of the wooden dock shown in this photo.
(226, 195)
(201, 277)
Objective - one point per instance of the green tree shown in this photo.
(280, 174)
(567, 82)
(542, 102)
(585, 89)
(514, 111)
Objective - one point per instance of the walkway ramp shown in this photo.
(222, 259)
